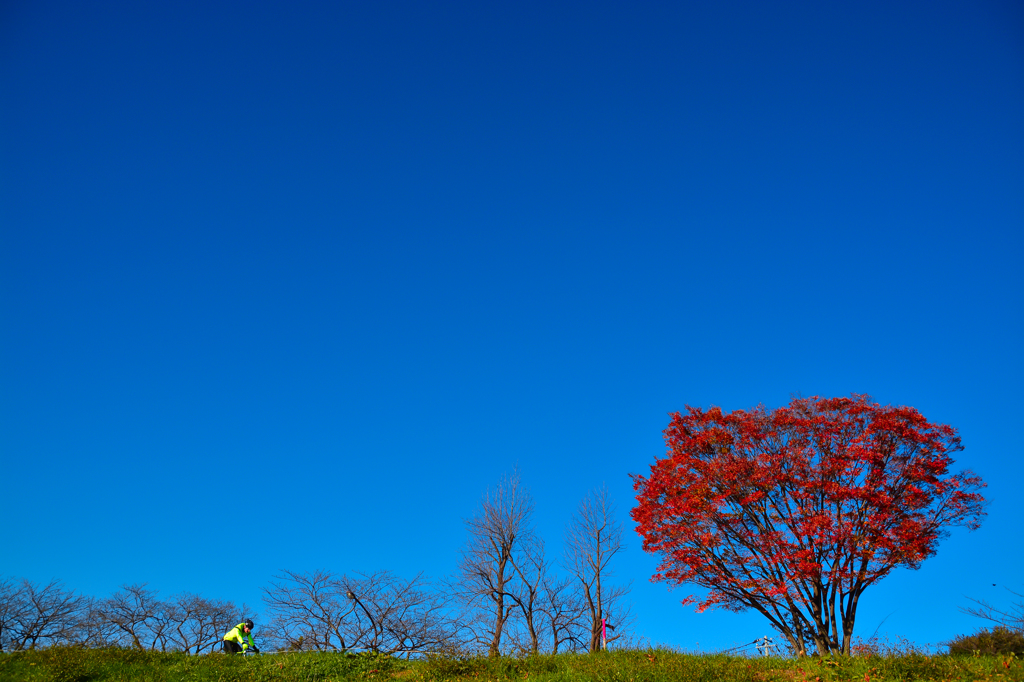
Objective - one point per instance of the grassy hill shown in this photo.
(651, 665)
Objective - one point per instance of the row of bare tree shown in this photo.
(506, 597)
(34, 615)
(515, 596)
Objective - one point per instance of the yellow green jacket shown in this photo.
(237, 634)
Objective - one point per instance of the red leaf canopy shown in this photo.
(796, 511)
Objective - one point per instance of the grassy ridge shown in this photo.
(110, 665)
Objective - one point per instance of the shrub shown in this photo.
(995, 642)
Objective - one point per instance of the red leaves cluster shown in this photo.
(793, 506)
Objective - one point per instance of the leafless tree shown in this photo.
(18, 616)
(486, 577)
(44, 615)
(400, 616)
(531, 569)
(592, 539)
(12, 610)
(162, 626)
(378, 611)
(1012, 618)
(131, 612)
(136, 617)
(309, 606)
(197, 623)
(93, 630)
(564, 610)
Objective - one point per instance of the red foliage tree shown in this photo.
(796, 511)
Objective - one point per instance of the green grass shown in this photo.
(652, 665)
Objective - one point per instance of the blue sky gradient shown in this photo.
(289, 286)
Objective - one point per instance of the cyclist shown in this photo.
(234, 641)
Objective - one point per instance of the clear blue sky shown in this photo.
(289, 285)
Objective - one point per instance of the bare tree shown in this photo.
(531, 568)
(310, 607)
(131, 612)
(486, 574)
(197, 623)
(162, 625)
(136, 617)
(564, 610)
(1012, 618)
(399, 616)
(592, 539)
(12, 611)
(44, 615)
(376, 611)
(92, 630)
(19, 616)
